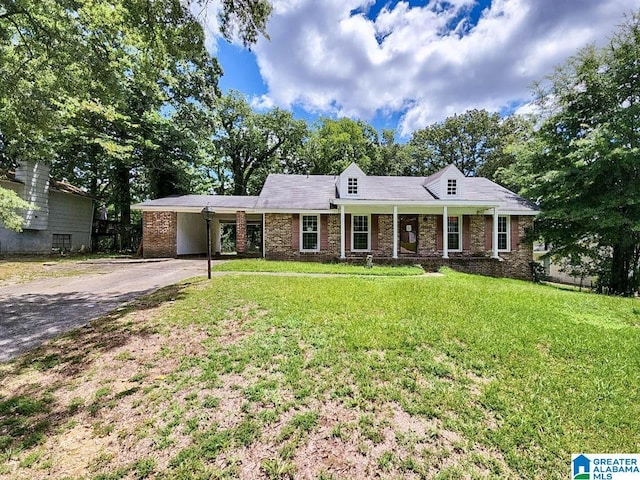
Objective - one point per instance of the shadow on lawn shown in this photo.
(30, 412)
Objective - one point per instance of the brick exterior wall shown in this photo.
(517, 262)
(477, 235)
(385, 237)
(241, 232)
(277, 239)
(159, 234)
(476, 259)
(427, 225)
(333, 238)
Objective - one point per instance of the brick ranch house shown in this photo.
(468, 223)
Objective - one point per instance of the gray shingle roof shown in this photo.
(478, 188)
(317, 192)
(304, 192)
(201, 201)
(396, 188)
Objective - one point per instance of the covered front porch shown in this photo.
(404, 230)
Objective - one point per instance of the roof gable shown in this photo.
(440, 183)
(351, 182)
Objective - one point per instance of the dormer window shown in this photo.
(352, 186)
(452, 186)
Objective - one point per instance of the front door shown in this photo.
(409, 234)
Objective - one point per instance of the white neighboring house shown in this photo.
(63, 218)
(553, 269)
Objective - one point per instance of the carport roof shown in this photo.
(195, 203)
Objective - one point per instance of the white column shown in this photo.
(264, 228)
(445, 232)
(342, 231)
(494, 234)
(395, 231)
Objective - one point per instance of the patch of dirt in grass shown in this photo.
(106, 390)
(13, 271)
(234, 327)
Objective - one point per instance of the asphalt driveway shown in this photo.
(32, 312)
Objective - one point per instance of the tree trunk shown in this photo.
(239, 183)
(123, 203)
(620, 263)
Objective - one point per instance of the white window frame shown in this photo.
(352, 186)
(452, 186)
(507, 233)
(460, 228)
(302, 249)
(353, 223)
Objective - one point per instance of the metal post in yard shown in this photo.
(208, 213)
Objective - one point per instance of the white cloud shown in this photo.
(206, 12)
(426, 62)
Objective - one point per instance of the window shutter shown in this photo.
(488, 229)
(439, 244)
(295, 232)
(466, 233)
(515, 234)
(374, 232)
(324, 227)
(347, 233)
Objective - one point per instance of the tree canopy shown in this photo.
(107, 92)
(583, 165)
(476, 142)
(250, 145)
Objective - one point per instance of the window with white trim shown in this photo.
(310, 233)
(454, 233)
(360, 233)
(504, 233)
(352, 186)
(452, 186)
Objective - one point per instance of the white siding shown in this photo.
(71, 215)
(35, 176)
(68, 215)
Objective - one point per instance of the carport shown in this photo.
(174, 226)
(226, 233)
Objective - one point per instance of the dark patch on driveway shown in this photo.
(33, 312)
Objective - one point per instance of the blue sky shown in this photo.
(406, 64)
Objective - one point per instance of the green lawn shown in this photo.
(260, 265)
(453, 377)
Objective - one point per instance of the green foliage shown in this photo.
(249, 145)
(583, 167)
(246, 19)
(113, 94)
(10, 204)
(476, 142)
(334, 144)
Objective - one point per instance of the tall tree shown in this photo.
(392, 158)
(475, 142)
(584, 165)
(251, 144)
(83, 84)
(334, 144)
